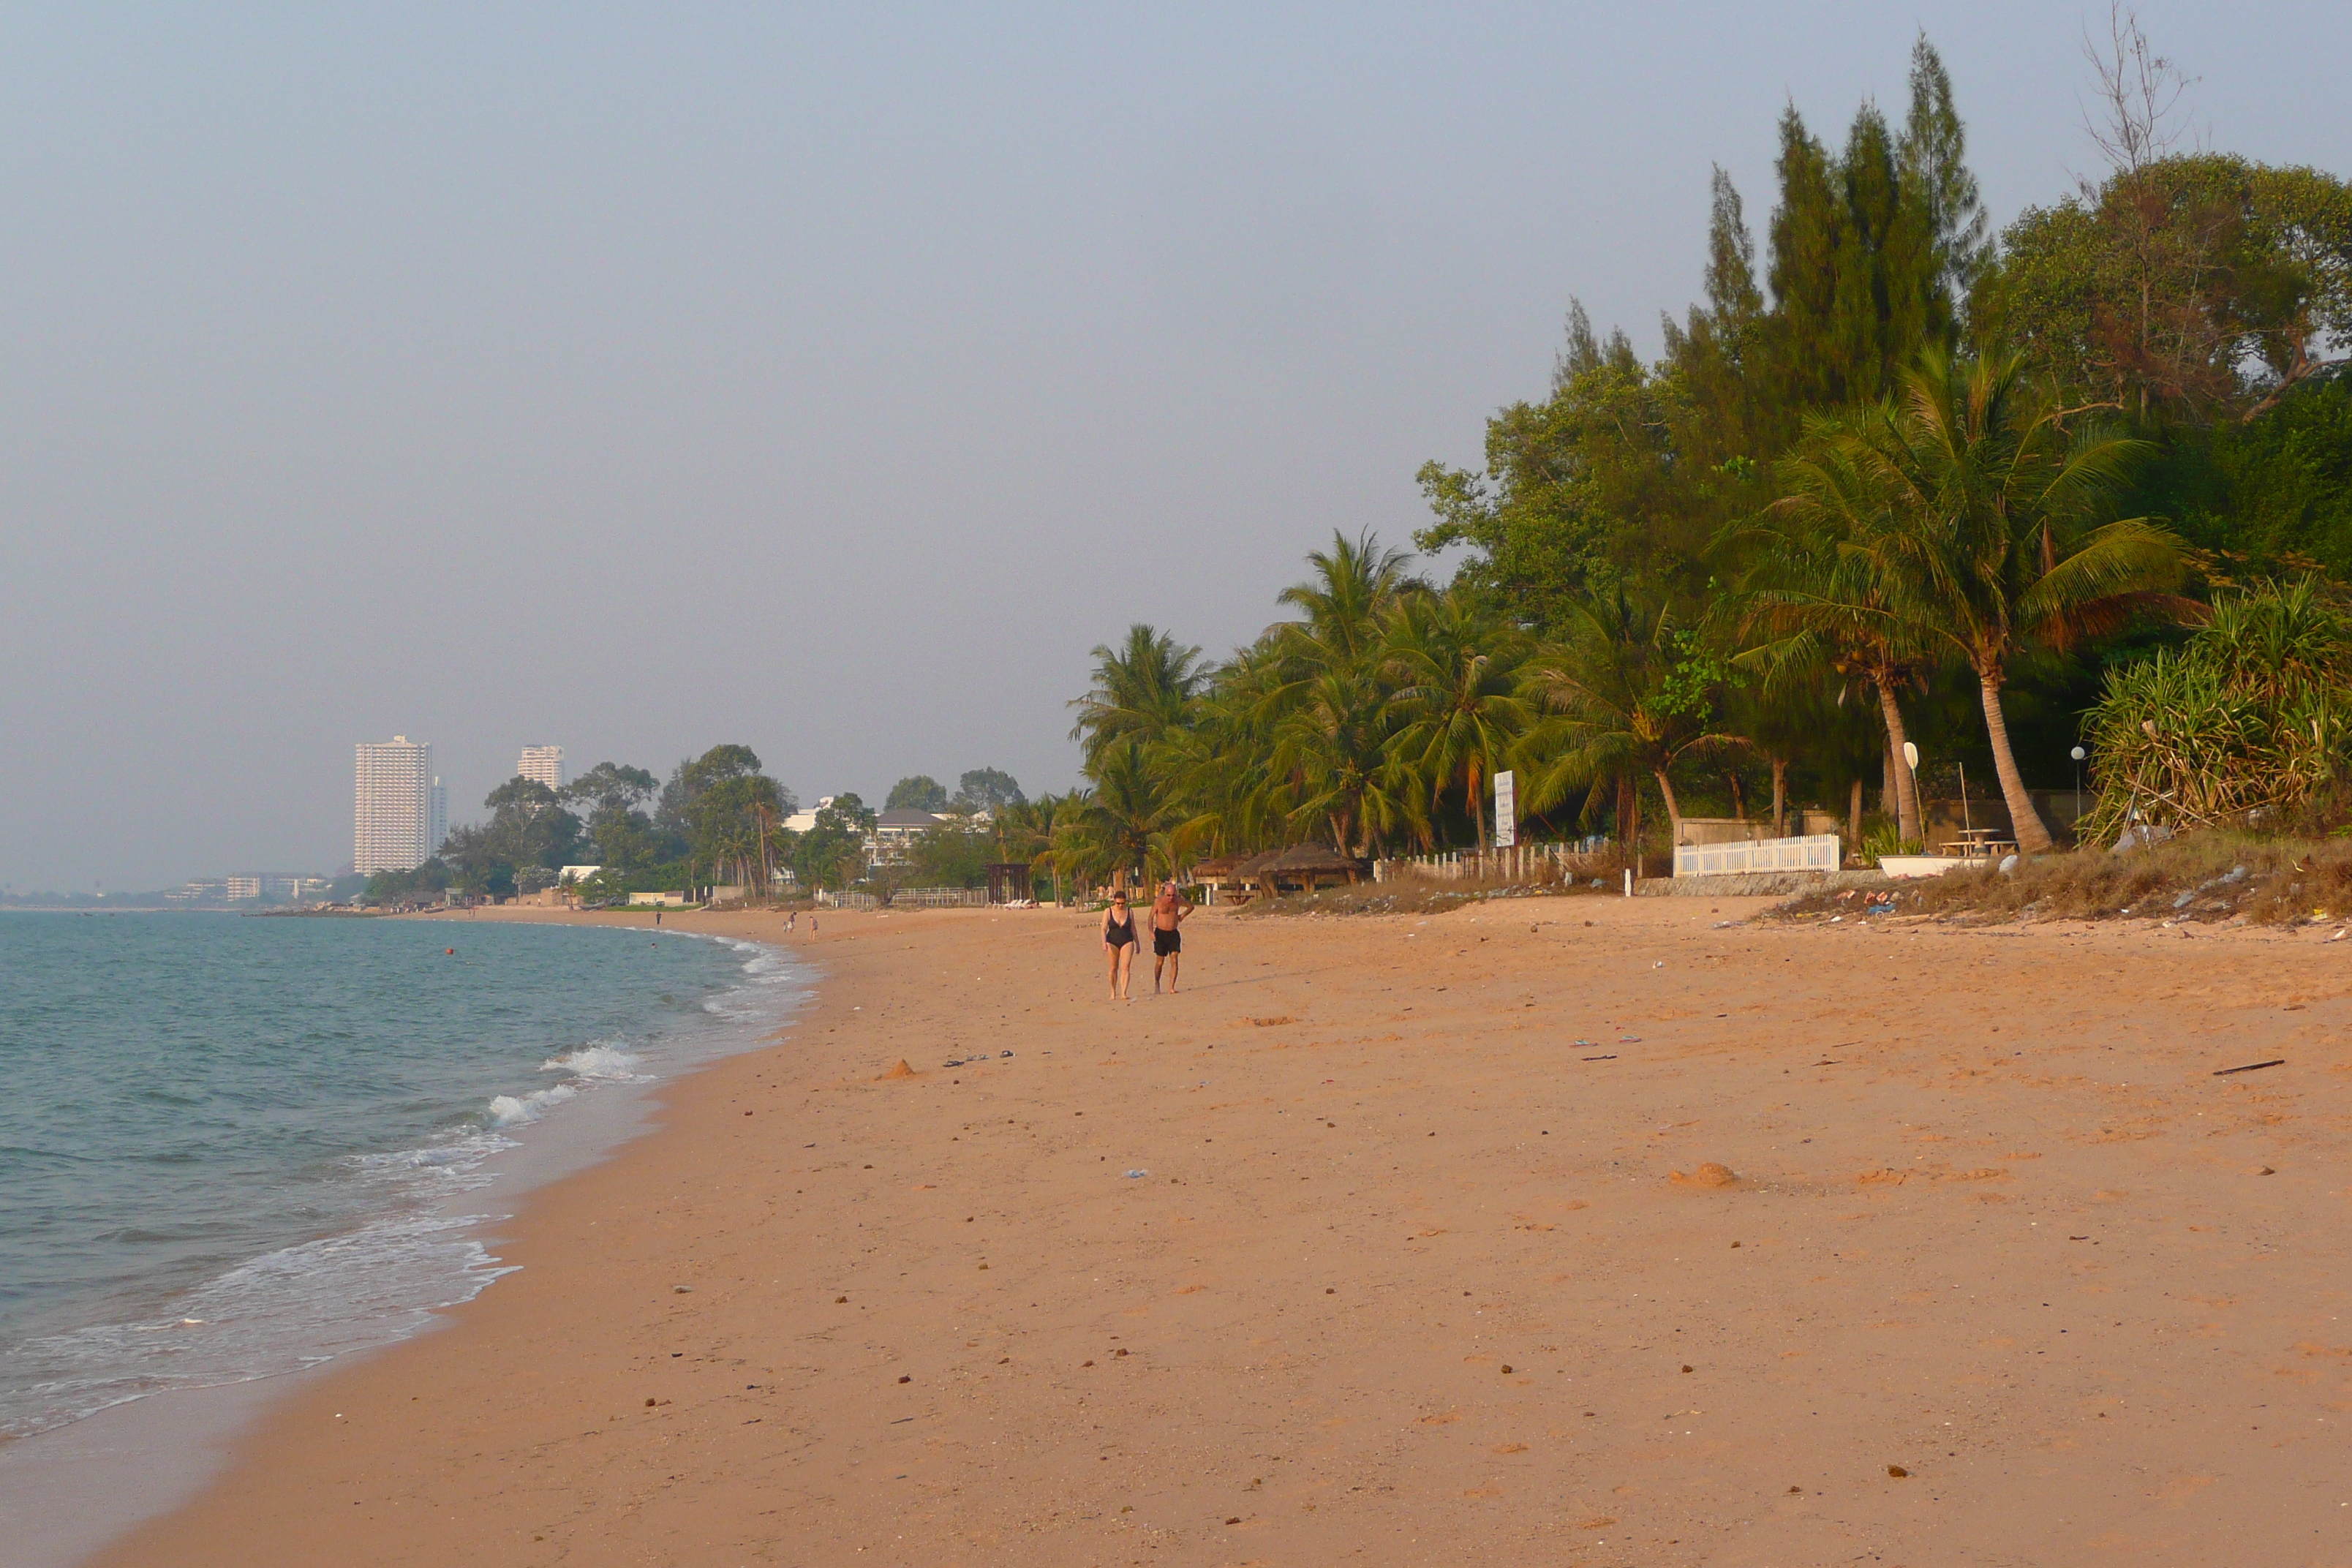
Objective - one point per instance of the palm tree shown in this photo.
(1821, 596)
(1118, 827)
(1457, 669)
(1220, 767)
(1627, 693)
(1999, 533)
(1332, 742)
(1354, 584)
(1142, 689)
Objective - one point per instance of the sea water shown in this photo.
(231, 1147)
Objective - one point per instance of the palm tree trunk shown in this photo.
(1906, 794)
(1674, 811)
(1853, 817)
(1478, 807)
(1779, 797)
(1629, 819)
(2032, 836)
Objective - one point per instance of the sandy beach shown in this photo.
(1392, 1240)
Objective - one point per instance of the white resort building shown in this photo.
(391, 822)
(543, 764)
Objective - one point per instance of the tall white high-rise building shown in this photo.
(437, 829)
(543, 764)
(392, 820)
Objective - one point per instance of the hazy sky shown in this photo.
(829, 380)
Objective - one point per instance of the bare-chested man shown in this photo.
(1168, 912)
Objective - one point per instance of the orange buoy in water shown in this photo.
(450, 951)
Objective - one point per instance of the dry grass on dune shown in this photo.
(1412, 894)
(2212, 876)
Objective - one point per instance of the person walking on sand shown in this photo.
(1168, 912)
(1119, 944)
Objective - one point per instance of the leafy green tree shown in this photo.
(986, 789)
(1627, 693)
(611, 786)
(2275, 491)
(614, 796)
(673, 815)
(1581, 491)
(831, 853)
(949, 855)
(421, 885)
(919, 792)
(2196, 287)
(529, 832)
(729, 824)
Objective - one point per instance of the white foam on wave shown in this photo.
(608, 1063)
(347, 1292)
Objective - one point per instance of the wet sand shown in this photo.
(1407, 1274)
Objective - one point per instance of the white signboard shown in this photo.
(1506, 810)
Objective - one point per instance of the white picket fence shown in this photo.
(940, 899)
(1519, 863)
(1819, 852)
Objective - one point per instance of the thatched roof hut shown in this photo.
(1310, 866)
(1216, 870)
(1252, 869)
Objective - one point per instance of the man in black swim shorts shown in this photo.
(1168, 912)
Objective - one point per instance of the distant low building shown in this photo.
(895, 832)
(233, 888)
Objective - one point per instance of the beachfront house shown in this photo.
(892, 842)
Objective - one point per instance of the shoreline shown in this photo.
(130, 1461)
(1993, 1223)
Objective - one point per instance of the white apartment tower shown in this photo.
(392, 824)
(543, 764)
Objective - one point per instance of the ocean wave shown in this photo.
(382, 1279)
(378, 1283)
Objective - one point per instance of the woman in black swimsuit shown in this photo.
(1119, 944)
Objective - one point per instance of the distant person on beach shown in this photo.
(1119, 944)
(1168, 912)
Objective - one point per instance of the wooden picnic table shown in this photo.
(1982, 844)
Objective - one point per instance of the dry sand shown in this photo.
(1408, 1278)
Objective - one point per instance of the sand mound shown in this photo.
(1708, 1175)
(901, 1071)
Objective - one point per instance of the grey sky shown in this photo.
(642, 378)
